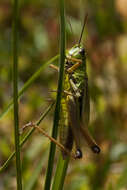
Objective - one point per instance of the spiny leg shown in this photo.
(65, 92)
(54, 67)
(75, 89)
(66, 139)
(85, 118)
(75, 66)
(78, 127)
(89, 139)
(83, 126)
(72, 68)
(74, 59)
(74, 122)
(31, 124)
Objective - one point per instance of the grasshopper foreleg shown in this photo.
(54, 67)
(75, 66)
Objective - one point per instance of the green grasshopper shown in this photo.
(75, 102)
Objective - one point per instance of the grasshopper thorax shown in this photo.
(77, 51)
(75, 56)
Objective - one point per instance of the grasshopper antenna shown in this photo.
(70, 26)
(85, 20)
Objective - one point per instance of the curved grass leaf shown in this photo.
(28, 84)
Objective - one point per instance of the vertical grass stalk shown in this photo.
(58, 98)
(60, 174)
(15, 93)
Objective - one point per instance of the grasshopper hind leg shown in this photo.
(74, 123)
(69, 143)
(90, 141)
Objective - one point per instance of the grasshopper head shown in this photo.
(77, 51)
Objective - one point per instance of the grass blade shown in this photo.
(62, 164)
(26, 137)
(28, 84)
(60, 173)
(15, 94)
(34, 176)
(58, 99)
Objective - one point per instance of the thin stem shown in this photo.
(27, 137)
(28, 83)
(60, 173)
(58, 99)
(15, 94)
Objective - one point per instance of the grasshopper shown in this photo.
(75, 102)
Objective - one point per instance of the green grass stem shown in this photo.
(15, 94)
(58, 99)
(60, 173)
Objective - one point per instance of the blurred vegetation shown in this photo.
(105, 39)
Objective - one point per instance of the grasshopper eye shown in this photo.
(82, 51)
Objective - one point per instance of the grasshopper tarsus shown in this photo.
(96, 149)
(78, 154)
(30, 124)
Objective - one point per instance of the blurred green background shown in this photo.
(105, 40)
